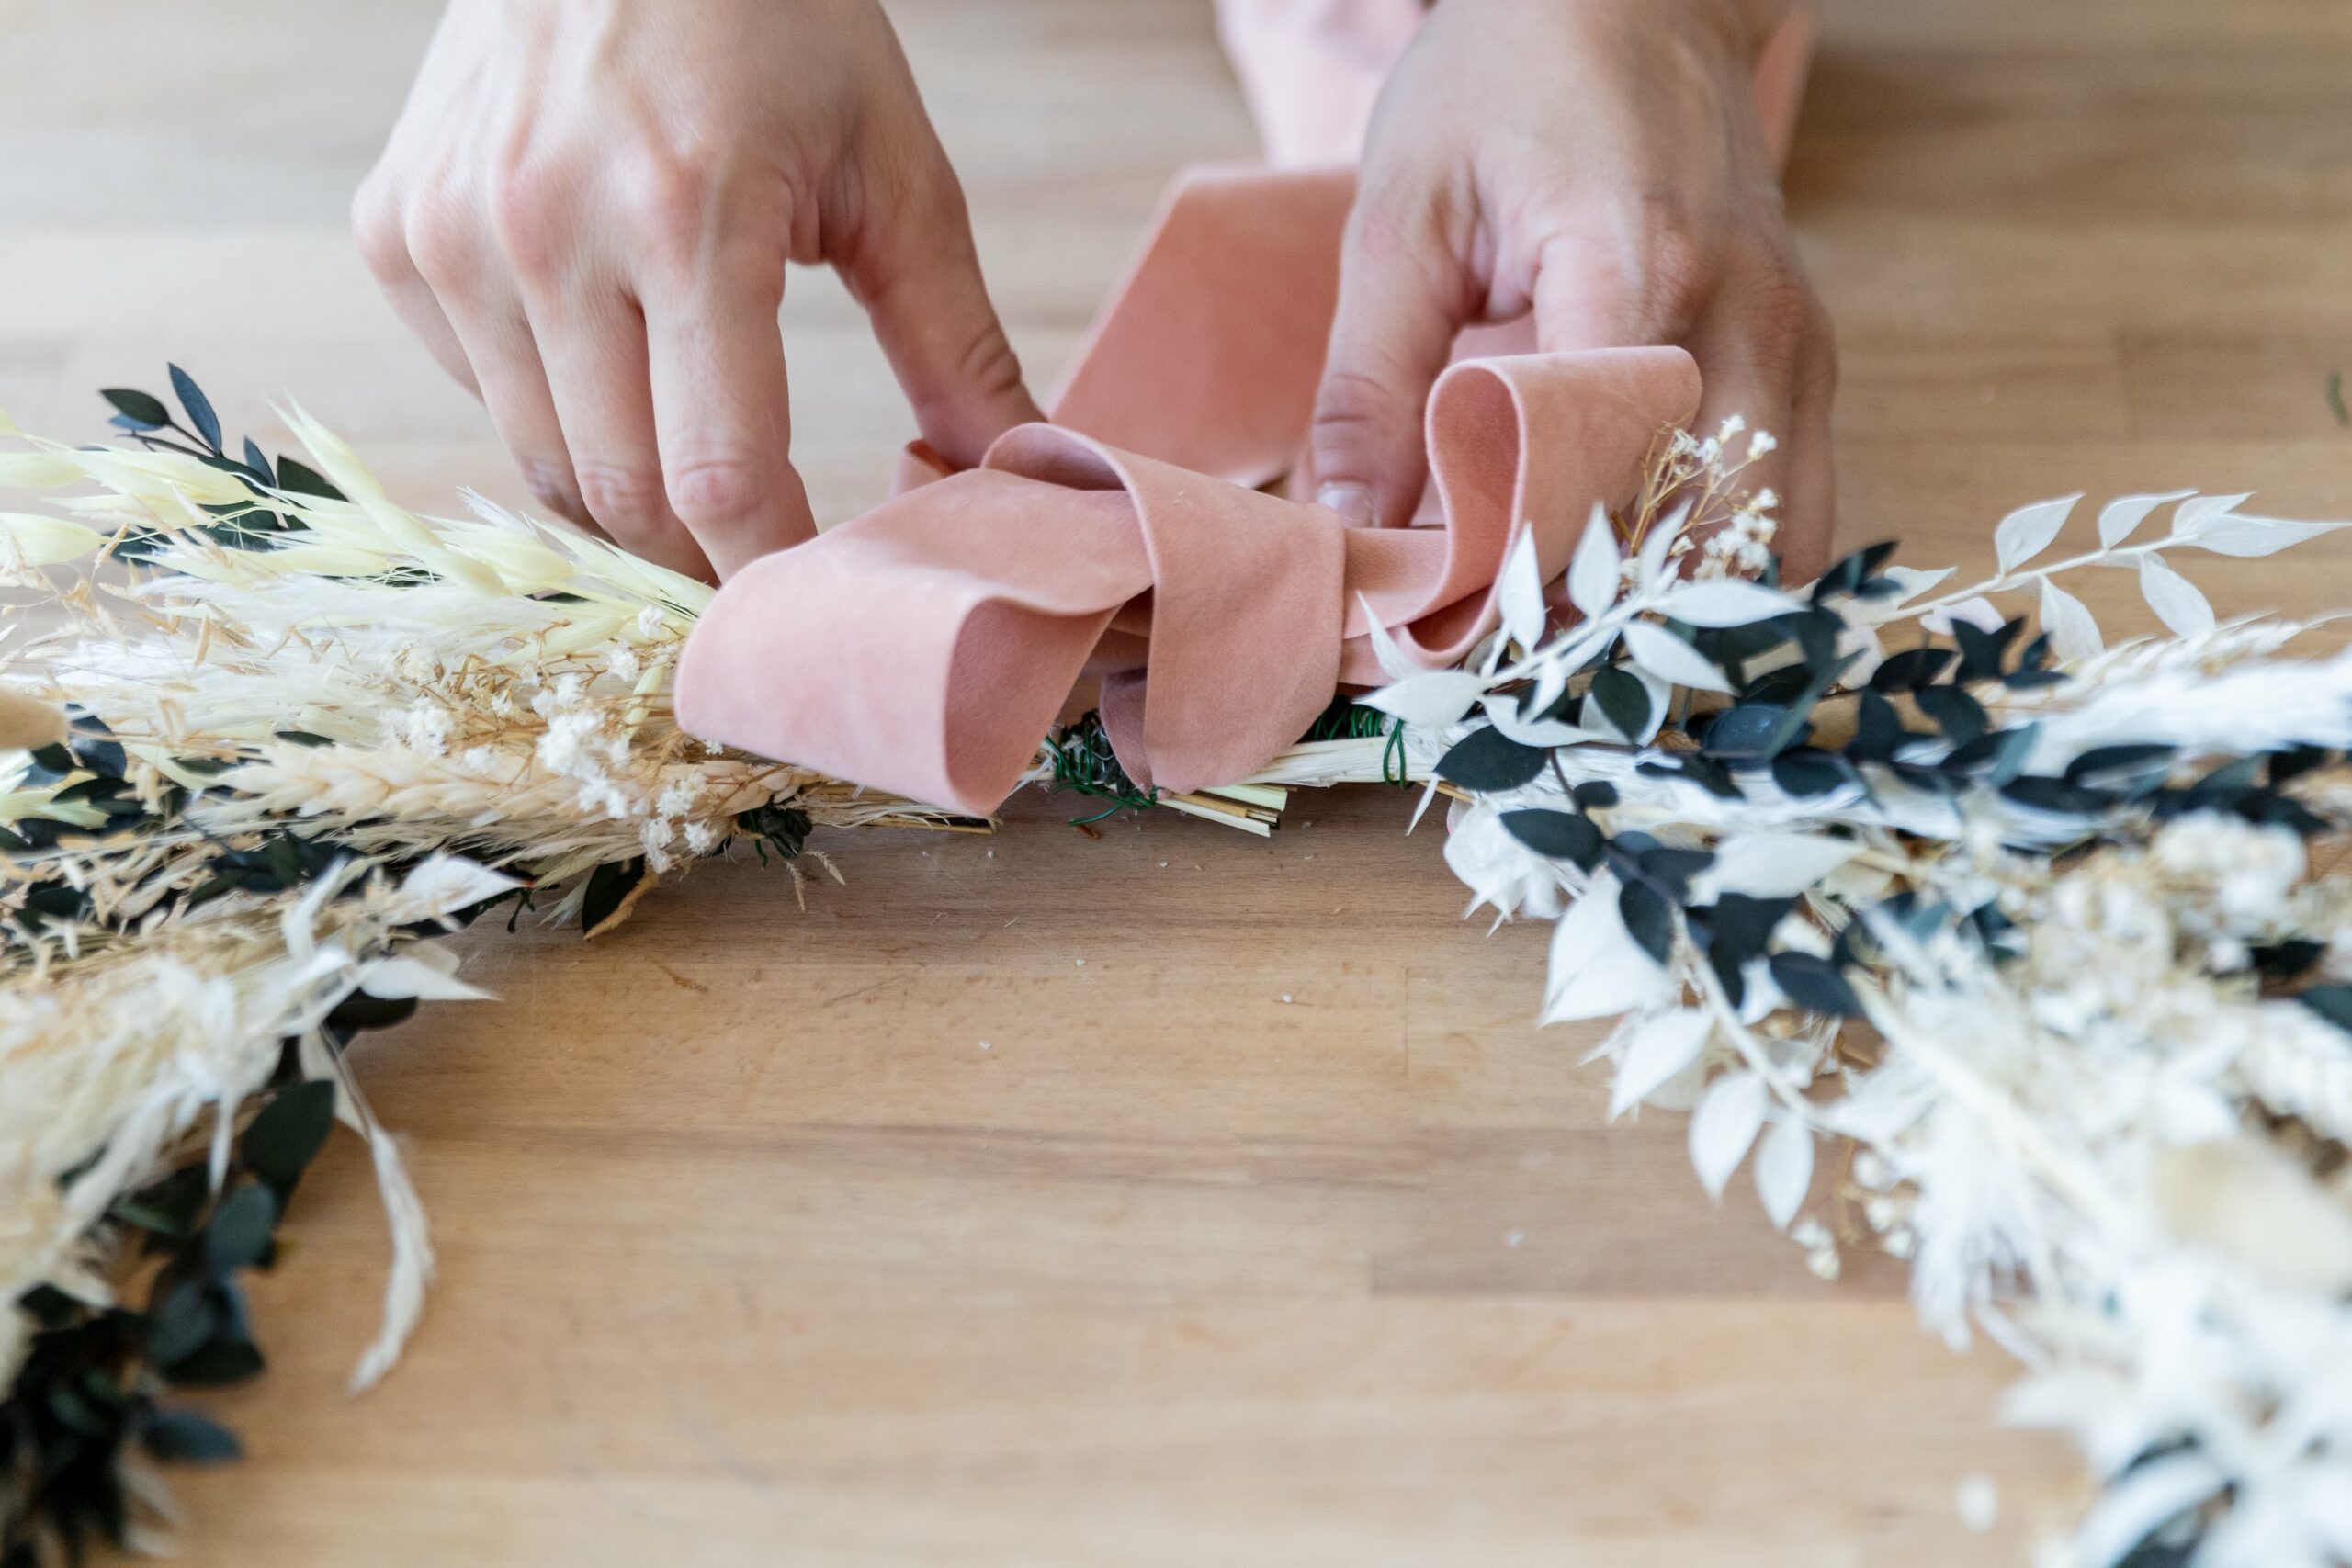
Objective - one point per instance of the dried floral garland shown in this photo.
(2038, 927)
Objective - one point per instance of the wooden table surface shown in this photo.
(1175, 1198)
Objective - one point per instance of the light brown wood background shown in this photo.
(1175, 1198)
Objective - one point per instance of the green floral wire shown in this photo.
(1084, 764)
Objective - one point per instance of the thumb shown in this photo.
(920, 282)
(1403, 300)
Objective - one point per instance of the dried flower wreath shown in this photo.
(2048, 933)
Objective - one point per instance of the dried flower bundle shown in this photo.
(2053, 937)
(272, 734)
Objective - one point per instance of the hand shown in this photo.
(1599, 162)
(586, 211)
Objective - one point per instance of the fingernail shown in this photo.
(1350, 500)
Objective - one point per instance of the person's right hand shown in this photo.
(586, 211)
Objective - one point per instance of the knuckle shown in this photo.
(622, 498)
(1677, 266)
(376, 225)
(1350, 400)
(665, 199)
(1790, 328)
(714, 491)
(986, 366)
(440, 237)
(527, 215)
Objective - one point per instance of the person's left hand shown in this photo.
(1601, 163)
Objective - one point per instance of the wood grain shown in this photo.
(1171, 1198)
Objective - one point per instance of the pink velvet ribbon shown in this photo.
(926, 646)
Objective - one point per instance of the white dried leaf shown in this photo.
(1596, 968)
(1551, 679)
(1520, 590)
(1978, 612)
(1592, 574)
(1546, 733)
(1910, 581)
(1661, 692)
(1660, 1048)
(404, 977)
(1660, 652)
(2199, 512)
(1724, 603)
(2245, 536)
(1394, 662)
(1729, 1116)
(2119, 516)
(1784, 1168)
(2026, 531)
(1771, 865)
(2073, 629)
(1433, 697)
(2151, 1495)
(2174, 598)
(446, 884)
(1650, 568)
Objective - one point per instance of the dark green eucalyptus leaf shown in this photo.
(1815, 983)
(1729, 973)
(1816, 633)
(142, 411)
(609, 887)
(2333, 1003)
(1796, 725)
(182, 1321)
(1980, 653)
(1623, 700)
(239, 1234)
(1648, 917)
(1672, 869)
(170, 1206)
(2297, 760)
(198, 407)
(183, 1436)
(2226, 784)
(2044, 794)
(1809, 771)
(1852, 573)
(1487, 761)
(1559, 835)
(1594, 795)
(1781, 686)
(218, 1364)
(1742, 733)
(2132, 770)
(280, 1142)
(359, 1010)
(1911, 668)
(1878, 730)
(1704, 772)
(1958, 714)
(300, 479)
(2271, 810)
(257, 462)
(1744, 924)
(2285, 960)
